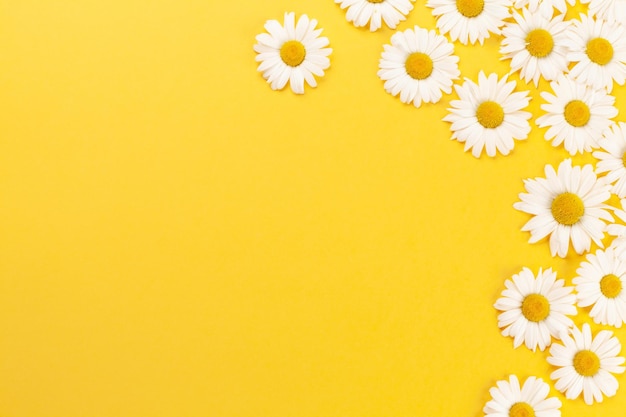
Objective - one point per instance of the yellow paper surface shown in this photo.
(177, 239)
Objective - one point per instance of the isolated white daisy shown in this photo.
(292, 52)
(544, 7)
(511, 400)
(535, 309)
(600, 282)
(419, 65)
(609, 10)
(577, 114)
(612, 157)
(535, 45)
(362, 12)
(598, 48)
(619, 231)
(469, 20)
(567, 205)
(489, 114)
(586, 364)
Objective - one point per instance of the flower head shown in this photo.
(612, 157)
(531, 399)
(374, 12)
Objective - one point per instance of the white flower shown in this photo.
(293, 52)
(586, 363)
(534, 44)
(599, 50)
(489, 114)
(619, 231)
(545, 7)
(535, 309)
(599, 283)
(577, 114)
(609, 10)
(418, 65)
(568, 205)
(509, 400)
(469, 20)
(360, 12)
(613, 160)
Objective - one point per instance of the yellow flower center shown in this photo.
(470, 8)
(292, 53)
(490, 114)
(376, 1)
(600, 51)
(576, 113)
(586, 363)
(611, 286)
(624, 159)
(521, 410)
(539, 43)
(419, 65)
(567, 208)
(535, 307)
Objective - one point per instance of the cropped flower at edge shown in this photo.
(609, 10)
(374, 12)
(292, 52)
(544, 7)
(612, 157)
(531, 399)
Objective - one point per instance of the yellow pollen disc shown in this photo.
(470, 8)
(624, 159)
(490, 114)
(419, 66)
(535, 307)
(576, 113)
(521, 410)
(600, 51)
(586, 363)
(292, 53)
(611, 286)
(567, 208)
(539, 43)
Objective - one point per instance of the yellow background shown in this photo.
(177, 239)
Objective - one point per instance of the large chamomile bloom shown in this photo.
(419, 65)
(469, 20)
(609, 10)
(567, 205)
(576, 114)
(612, 157)
(535, 45)
(529, 400)
(489, 115)
(374, 12)
(293, 52)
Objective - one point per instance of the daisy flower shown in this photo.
(534, 44)
(418, 65)
(599, 283)
(577, 114)
(292, 52)
(568, 205)
(509, 399)
(598, 48)
(609, 10)
(619, 231)
(586, 364)
(535, 309)
(489, 114)
(360, 12)
(469, 20)
(544, 7)
(613, 157)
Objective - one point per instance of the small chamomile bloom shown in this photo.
(469, 21)
(419, 65)
(292, 52)
(567, 205)
(612, 157)
(374, 12)
(535, 309)
(535, 45)
(508, 399)
(576, 114)
(586, 364)
(489, 115)
(609, 10)
(544, 7)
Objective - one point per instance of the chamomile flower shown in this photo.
(489, 115)
(619, 231)
(535, 309)
(544, 7)
(598, 48)
(609, 10)
(534, 44)
(469, 20)
(586, 364)
(531, 399)
(292, 52)
(362, 12)
(612, 157)
(600, 282)
(577, 114)
(419, 65)
(567, 205)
